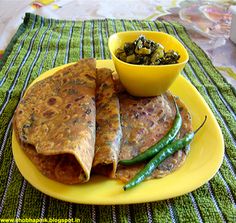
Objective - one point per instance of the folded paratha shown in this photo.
(144, 122)
(55, 123)
(108, 127)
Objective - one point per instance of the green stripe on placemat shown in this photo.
(41, 44)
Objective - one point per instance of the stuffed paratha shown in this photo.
(55, 123)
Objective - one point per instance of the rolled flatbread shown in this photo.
(108, 127)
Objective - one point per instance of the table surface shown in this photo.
(207, 23)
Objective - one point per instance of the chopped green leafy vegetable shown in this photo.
(146, 52)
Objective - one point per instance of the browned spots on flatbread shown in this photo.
(108, 128)
(59, 118)
(48, 119)
(144, 122)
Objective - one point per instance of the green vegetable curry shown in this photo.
(146, 52)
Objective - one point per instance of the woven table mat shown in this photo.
(41, 44)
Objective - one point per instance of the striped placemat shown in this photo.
(41, 44)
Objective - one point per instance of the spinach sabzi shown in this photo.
(146, 52)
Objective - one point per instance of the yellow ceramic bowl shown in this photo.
(147, 80)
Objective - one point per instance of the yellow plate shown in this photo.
(203, 161)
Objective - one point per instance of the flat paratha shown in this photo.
(144, 122)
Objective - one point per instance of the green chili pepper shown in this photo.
(161, 156)
(153, 150)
